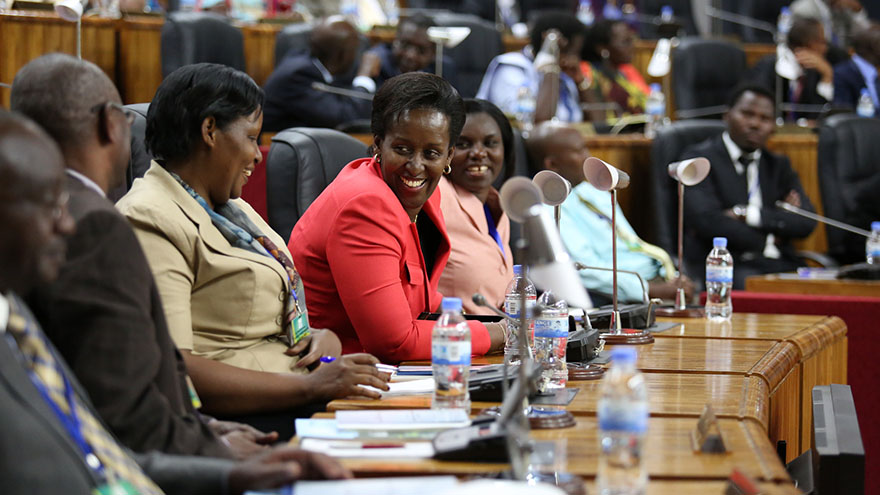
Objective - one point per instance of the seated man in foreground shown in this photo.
(585, 224)
(738, 198)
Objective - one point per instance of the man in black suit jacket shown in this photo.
(291, 101)
(103, 312)
(806, 48)
(412, 50)
(738, 198)
(849, 76)
(41, 453)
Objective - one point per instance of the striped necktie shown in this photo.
(47, 374)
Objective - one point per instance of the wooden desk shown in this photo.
(789, 283)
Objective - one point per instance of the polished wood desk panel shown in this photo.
(25, 36)
(140, 58)
(747, 326)
(666, 487)
(716, 356)
(667, 451)
(669, 395)
(789, 283)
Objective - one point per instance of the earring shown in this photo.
(448, 169)
(606, 54)
(377, 158)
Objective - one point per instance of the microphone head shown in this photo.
(659, 65)
(479, 300)
(604, 176)
(518, 195)
(690, 172)
(787, 66)
(69, 10)
(449, 36)
(554, 187)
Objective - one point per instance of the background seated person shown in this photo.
(372, 247)
(860, 72)
(411, 51)
(479, 231)
(103, 311)
(509, 72)
(290, 99)
(815, 82)
(231, 294)
(585, 224)
(737, 199)
(608, 55)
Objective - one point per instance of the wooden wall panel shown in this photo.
(140, 58)
(259, 50)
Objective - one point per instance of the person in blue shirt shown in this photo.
(585, 224)
(860, 72)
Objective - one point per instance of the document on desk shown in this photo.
(402, 419)
(409, 387)
(373, 449)
(327, 428)
(423, 485)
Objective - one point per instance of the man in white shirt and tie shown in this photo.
(738, 198)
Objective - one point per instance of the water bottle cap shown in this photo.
(875, 226)
(785, 11)
(517, 270)
(451, 304)
(719, 242)
(624, 355)
(864, 92)
(666, 10)
(655, 87)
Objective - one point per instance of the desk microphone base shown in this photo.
(628, 336)
(687, 312)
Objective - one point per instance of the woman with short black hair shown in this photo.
(232, 297)
(373, 245)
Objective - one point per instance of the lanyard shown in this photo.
(493, 230)
(70, 420)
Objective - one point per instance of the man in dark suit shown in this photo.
(860, 72)
(812, 79)
(412, 50)
(103, 312)
(291, 101)
(738, 198)
(51, 440)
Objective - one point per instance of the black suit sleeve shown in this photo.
(99, 315)
(186, 475)
(778, 221)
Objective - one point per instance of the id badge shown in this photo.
(121, 487)
(298, 328)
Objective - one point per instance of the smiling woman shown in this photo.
(479, 230)
(372, 247)
(232, 297)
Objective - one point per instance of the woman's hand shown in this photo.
(343, 377)
(320, 342)
(497, 336)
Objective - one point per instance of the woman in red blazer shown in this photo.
(371, 248)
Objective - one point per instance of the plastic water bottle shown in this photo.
(655, 107)
(451, 357)
(783, 24)
(623, 423)
(865, 107)
(719, 280)
(585, 12)
(872, 247)
(551, 339)
(512, 303)
(666, 14)
(525, 108)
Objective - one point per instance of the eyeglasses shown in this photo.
(59, 206)
(130, 115)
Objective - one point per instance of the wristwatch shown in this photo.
(740, 211)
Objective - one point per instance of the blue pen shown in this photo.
(327, 359)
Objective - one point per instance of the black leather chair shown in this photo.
(704, 72)
(473, 55)
(301, 163)
(848, 167)
(140, 158)
(193, 37)
(669, 143)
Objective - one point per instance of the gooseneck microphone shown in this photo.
(480, 300)
(819, 218)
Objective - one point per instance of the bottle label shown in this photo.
(722, 274)
(619, 415)
(451, 353)
(512, 304)
(551, 328)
